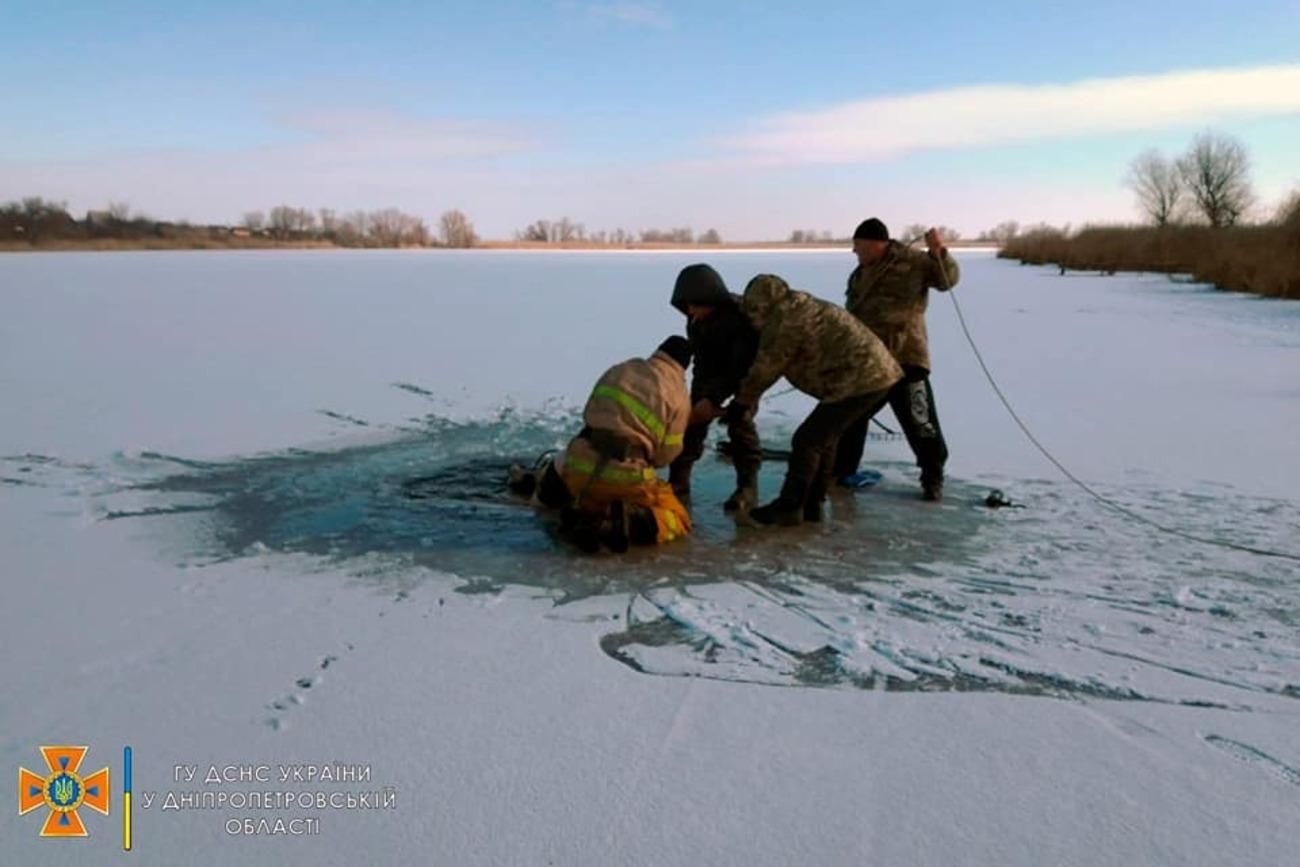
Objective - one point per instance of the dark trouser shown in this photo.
(912, 400)
(552, 492)
(813, 449)
(746, 454)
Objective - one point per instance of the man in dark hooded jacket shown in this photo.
(723, 343)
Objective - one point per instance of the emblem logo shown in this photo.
(63, 791)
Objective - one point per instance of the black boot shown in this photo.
(642, 528)
(616, 535)
(780, 512)
(813, 502)
(745, 497)
(813, 511)
(679, 476)
(581, 528)
(522, 482)
(932, 486)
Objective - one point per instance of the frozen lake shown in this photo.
(260, 492)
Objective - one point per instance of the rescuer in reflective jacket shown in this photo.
(605, 482)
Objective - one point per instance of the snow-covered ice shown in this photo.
(250, 512)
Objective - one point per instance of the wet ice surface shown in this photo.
(1063, 598)
(1060, 598)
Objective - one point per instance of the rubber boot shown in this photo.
(780, 512)
(642, 528)
(745, 497)
(813, 511)
(932, 485)
(679, 476)
(581, 528)
(521, 482)
(813, 503)
(616, 534)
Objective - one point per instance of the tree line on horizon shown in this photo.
(36, 220)
(388, 227)
(568, 231)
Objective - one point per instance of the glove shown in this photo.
(736, 412)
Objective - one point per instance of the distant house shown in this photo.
(241, 232)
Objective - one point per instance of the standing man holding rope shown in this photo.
(889, 291)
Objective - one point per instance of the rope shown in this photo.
(1105, 501)
(888, 435)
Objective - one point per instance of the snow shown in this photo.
(229, 536)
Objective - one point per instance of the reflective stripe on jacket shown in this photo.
(644, 402)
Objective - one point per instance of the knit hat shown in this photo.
(677, 348)
(871, 230)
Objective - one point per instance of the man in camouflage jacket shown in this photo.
(889, 292)
(826, 353)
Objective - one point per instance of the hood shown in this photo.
(762, 294)
(700, 284)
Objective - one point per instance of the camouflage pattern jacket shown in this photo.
(890, 298)
(819, 347)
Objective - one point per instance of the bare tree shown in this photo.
(329, 222)
(456, 230)
(392, 228)
(538, 232)
(285, 222)
(1216, 170)
(1288, 213)
(119, 211)
(710, 236)
(35, 206)
(280, 221)
(416, 232)
(386, 227)
(254, 221)
(1002, 232)
(913, 231)
(948, 235)
(563, 230)
(1158, 184)
(353, 229)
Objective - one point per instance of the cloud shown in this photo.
(631, 13)
(962, 117)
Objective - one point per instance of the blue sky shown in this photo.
(751, 119)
